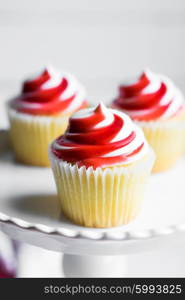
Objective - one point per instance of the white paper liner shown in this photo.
(167, 138)
(31, 135)
(104, 197)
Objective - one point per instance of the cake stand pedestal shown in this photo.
(30, 212)
(89, 255)
(94, 266)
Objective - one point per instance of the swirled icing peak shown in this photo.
(50, 93)
(100, 137)
(150, 97)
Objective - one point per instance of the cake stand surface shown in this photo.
(30, 212)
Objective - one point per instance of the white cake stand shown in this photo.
(30, 212)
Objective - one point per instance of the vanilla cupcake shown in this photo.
(41, 113)
(158, 107)
(101, 165)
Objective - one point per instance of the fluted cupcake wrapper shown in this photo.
(103, 197)
(31, 135)
(167, 138)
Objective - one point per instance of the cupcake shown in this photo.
(158, 107)
(101, 165)
(41, 113)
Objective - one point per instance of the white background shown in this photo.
(101, 42)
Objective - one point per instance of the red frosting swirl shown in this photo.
(151, 97)
(50, 93)
(100, 137)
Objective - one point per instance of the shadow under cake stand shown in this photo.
(30, 212)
